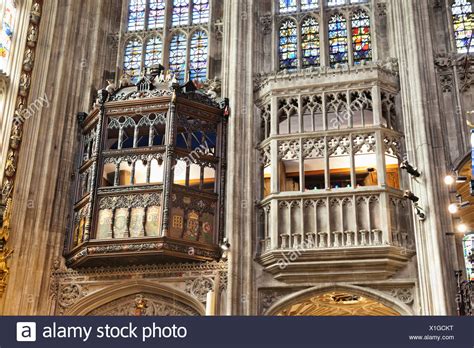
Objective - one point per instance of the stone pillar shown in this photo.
(237, 82)
(424, 140)
(65, 69)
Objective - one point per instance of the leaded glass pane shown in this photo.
(468, 247)
(288, 45)
(6, 34)
(463, 21)
(198, 56)
(153, 51)
(288, 6)
(309, 4)
(133, 58)
(200, 11)
(336, 2)
(178, 56)
(180, 12)
(337, 40)
(136, 15)
(310, 42)
(156, 18)
(361, 40)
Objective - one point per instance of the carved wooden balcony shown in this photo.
(151, 177)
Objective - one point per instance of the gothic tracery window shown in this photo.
(7, 14)
(288, 45)
(198, 56)
(337, 32)
(185, 53)
(463, 21)
(310, 42)
(178, 56)
(133, 58)
(361, 40)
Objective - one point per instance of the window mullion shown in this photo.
(350, 53)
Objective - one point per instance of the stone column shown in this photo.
(238, 47)
(65, 69)
(424, 140)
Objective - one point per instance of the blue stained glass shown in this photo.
(463, 22)
(156, 17)
(200, 11)
(361, 40)
(288, 6)
(180, 12)
(178, 56)
(309, 4)
(153, 51)
(136, 15)
(288, 45)
(338, 51)
(310, 42)
(198, 56)
(133, 58)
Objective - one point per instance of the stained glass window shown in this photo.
(336, 2)
(6, 33)
(200, 11)
(156, 17)
(288, 6)
(180, 12)
(309, 4)
(468, 245)
(198, 56)
(153, 51)
(337, 40)
(361, 41)
(136, 15)
(178, 56)
(463, 21)
(310, 42)
(133, 58)
(288, 45)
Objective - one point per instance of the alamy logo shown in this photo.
(26, 332)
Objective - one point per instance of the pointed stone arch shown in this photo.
(123, 299)
(384, 303)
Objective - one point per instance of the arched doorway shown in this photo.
(138, 299)
(339, 301)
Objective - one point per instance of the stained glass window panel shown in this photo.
(178, 56)
(156, 18)
(336, 2)
(309, 4)
(153, 51)
(468, 245)
(6, 34)
(288, 45)
(136, 15)
(133, 58)
(463, 21)
(288, 6)
(337, 40)
(310, 42)
(198, 56)
(180, 12)
(200, 11)
(361, 40)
